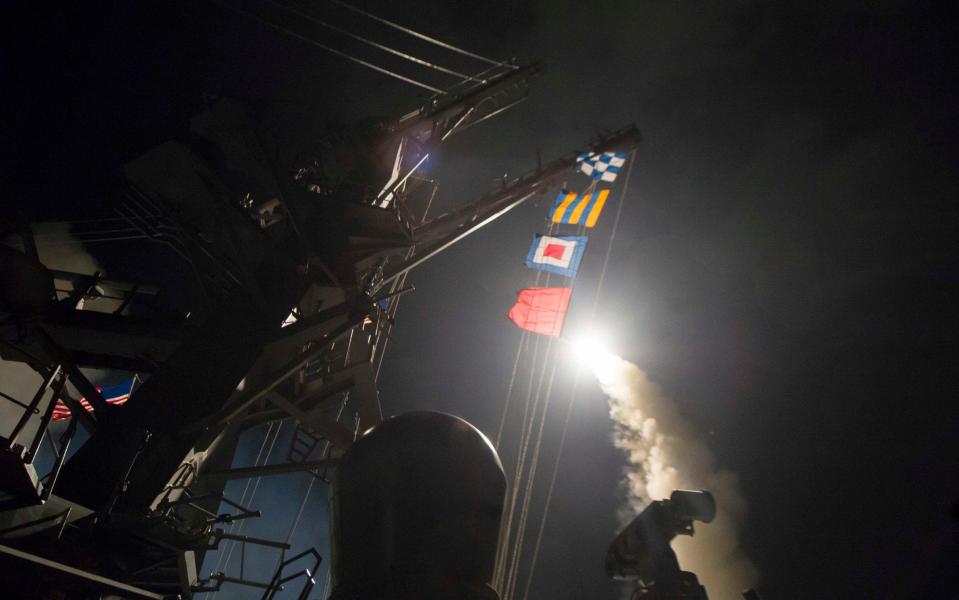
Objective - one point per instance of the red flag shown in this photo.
(541, 310)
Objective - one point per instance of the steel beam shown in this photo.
(319, 423)
(100, 580)
(32, 408)
(267, 470)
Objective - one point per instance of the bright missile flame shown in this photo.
(591, 350)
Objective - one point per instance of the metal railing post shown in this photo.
(45, 419)
(65, 440)
(32, 408)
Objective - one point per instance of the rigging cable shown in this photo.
(340, 53)
(246, 488)
(572, 395)
(326, 585)
(509, 390)
(93, 240)
(66, 233)
(507, 523)
(377, 45)
(102, 219)
(256, 486)
(508, 560)
(313, 477)
(390, 316)
(548, 359)
(483, 75)
(530, 479)
(524, 339)
(526, 429)
(419, 35)
(513, 556)
(552, 485)
(513, 569)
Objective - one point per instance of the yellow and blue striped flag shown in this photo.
(573, 208)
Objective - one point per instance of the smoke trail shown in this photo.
(664, 454)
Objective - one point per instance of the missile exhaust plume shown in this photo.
(665, 453)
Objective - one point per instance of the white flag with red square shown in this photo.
(560, 255)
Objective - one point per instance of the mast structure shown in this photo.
(256, 243)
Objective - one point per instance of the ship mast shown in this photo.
(156, 468)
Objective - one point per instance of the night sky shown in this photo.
(785, 266)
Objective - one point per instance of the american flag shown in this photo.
(114, 394)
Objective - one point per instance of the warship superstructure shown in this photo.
(286, 281)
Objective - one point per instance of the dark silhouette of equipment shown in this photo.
(416, 509)
(642, 552)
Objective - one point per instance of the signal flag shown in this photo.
(604, 167)
(541, 310)
(569, 207)
(560, 255)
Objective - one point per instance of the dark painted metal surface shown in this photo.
(416, 509)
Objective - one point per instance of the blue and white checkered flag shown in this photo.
(603, 166)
